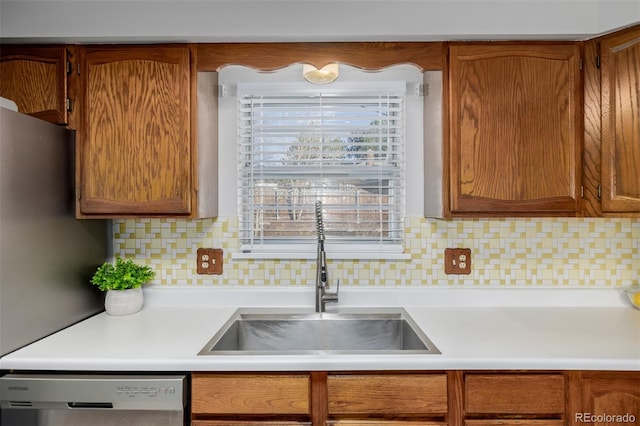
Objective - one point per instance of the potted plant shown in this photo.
(123, 284)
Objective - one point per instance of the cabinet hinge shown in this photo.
(222, 91)
(69, 68)
(422, 90)
(597, 61)
(581, 64)
(68, 104)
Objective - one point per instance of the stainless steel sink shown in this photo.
(370, 331)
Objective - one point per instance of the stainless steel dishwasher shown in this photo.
(97, 400)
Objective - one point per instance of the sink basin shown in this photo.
(264, 331)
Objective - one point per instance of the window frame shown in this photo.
(413, 198)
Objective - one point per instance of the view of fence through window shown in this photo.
(346, 150)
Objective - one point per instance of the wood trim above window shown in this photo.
(367, 55)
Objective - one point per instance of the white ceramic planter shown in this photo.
(123, 302)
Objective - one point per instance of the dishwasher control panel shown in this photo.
(79, 391)
(133, 391)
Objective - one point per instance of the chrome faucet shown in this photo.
(322, 283)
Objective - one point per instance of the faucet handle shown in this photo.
(332, 297)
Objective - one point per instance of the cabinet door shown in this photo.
(508, 422)
(408, 422)
(250, 394)
(608, 398)
(620, 80)
(247, 423)
(515, 121)
(35, 79)
(514, 394)
(135, 135)
(387, 394)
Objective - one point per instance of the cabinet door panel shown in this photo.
(35, 79)
(387, 394)
(616, 394)
(506, 422)
(620, 74)
(384, 423)
(514, 394)
(515, 121)
(135, 138)
(231, 394)
(247, 423)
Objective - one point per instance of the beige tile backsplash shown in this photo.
(549, 252)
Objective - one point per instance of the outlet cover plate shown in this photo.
(457, 261)
(209, 261)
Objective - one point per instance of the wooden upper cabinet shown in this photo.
(134, 139)
(35, 78)
(515, 129)
(620, 94)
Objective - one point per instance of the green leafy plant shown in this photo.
(125, 274)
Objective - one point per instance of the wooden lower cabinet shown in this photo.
(387, 399)
(513, 422)
(384, 423)
(454, 398)
(245, 423)
(319, 398)
(513, 399)
(519, 394)
(604, 398)
(387, 394)
(250, 397)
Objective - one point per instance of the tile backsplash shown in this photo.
(548, 252)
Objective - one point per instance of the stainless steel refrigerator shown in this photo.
(47, 256)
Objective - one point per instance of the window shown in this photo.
(343, 144)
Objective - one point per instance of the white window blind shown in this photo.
(345, 149)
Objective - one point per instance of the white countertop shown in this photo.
(549, 329)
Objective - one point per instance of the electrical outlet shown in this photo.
(209, 261)
(457, 261)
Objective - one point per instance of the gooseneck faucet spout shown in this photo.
(322, 281)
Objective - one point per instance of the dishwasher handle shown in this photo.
(90, 405)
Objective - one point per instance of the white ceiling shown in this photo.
(308, 20)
